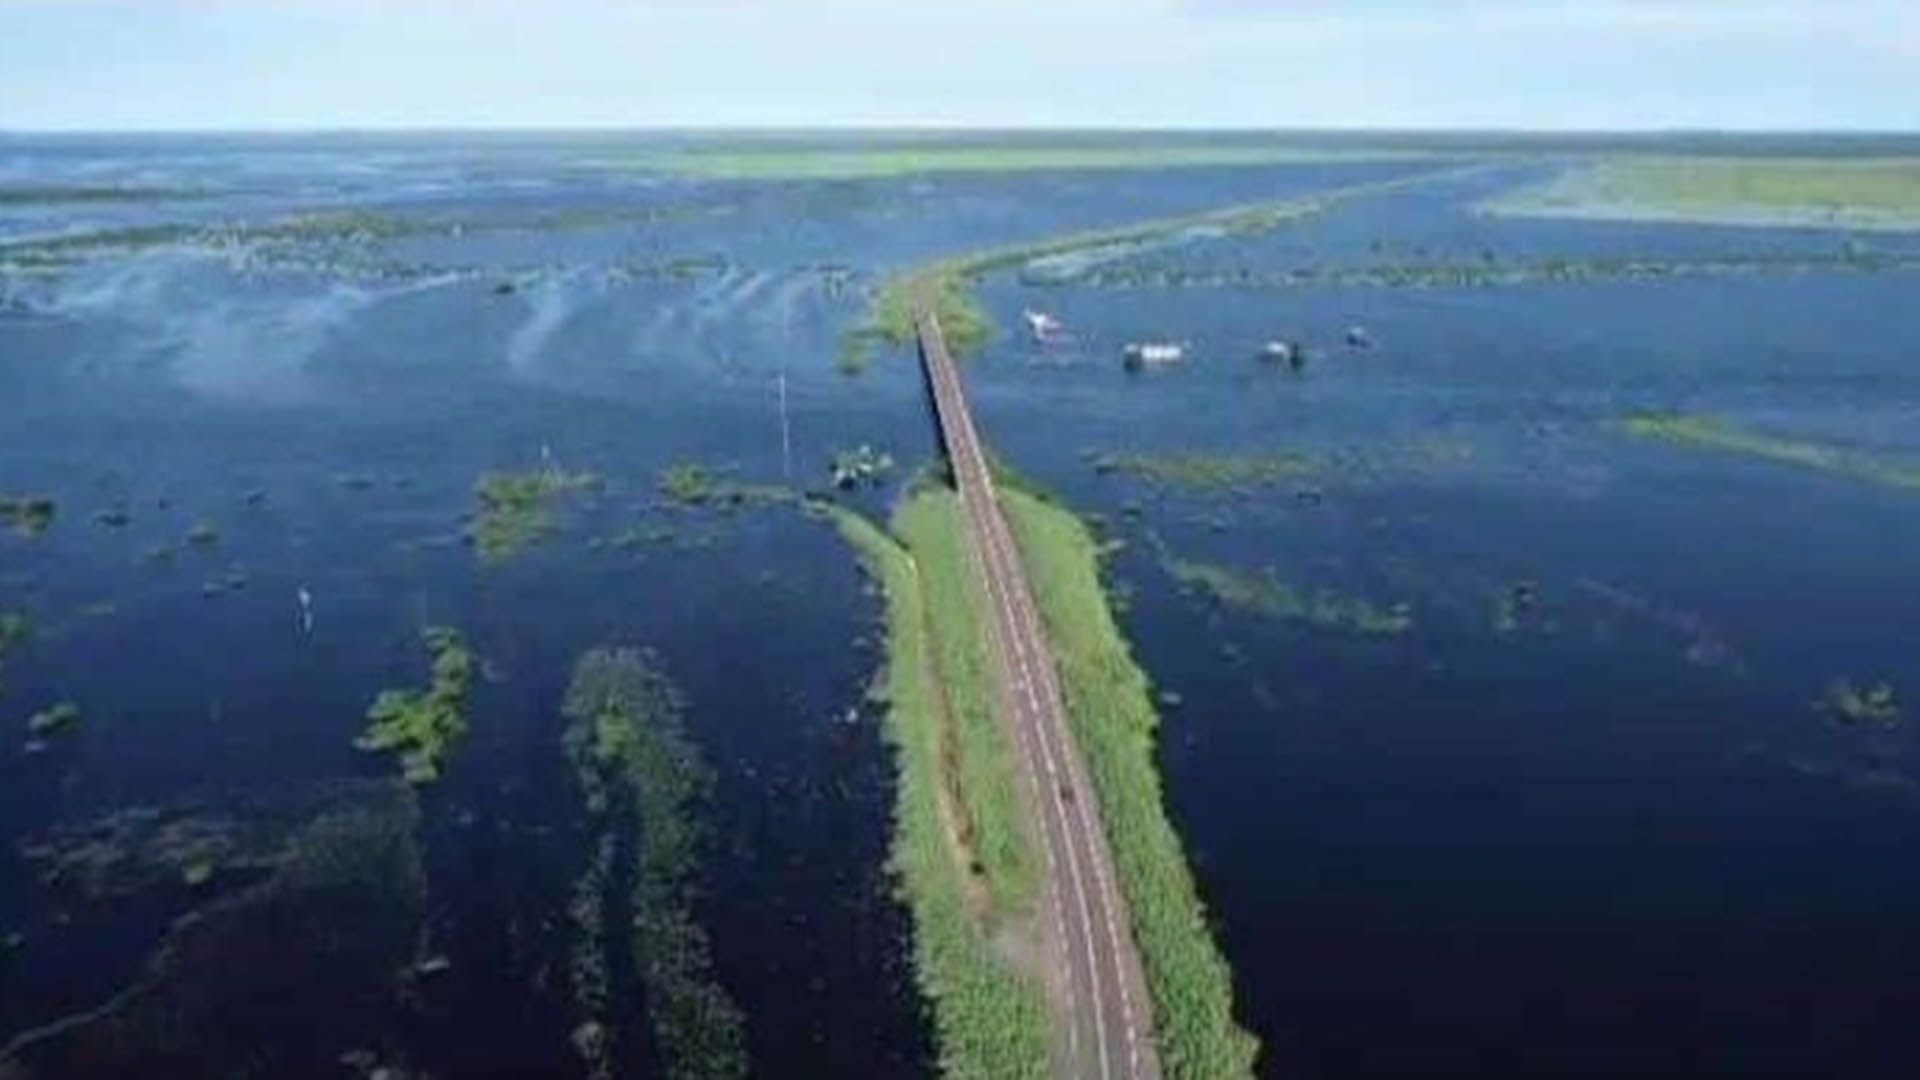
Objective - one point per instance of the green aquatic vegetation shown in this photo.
(1716, 434)
(16, 629)
(1263, 593)
(990, 1017)
(1144, 274)
(693, 484)
(113, 517)
(1851, 703)
(56, 719)
(1864, 193)
(1208, 473)
(517, 510)
(638, 769)
(204, 534)
(28, 515)
(423, 726)
(1110, 702)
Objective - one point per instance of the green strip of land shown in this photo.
(1715, 434)
(1110, 702)
(955, 781)
(1882, 193)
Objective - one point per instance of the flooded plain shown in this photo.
(1498, 732)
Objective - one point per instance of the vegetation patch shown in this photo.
(1852, 703)
(423, 726)
(1716, 434)
(1486, 272)
(1207, 473)
(954, 796)
(690, 483)
(28, 515)
(1263, 593)
(56, 719)
(1856, 194)
(16, 629)
(517, 510)
(1111, 704)
(638, 770)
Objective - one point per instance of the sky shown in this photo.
(1534, 64)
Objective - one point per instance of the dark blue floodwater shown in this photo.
(1616, 835)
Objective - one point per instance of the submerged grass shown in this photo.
(637, 768)
(1110, 701)
(423, 726)
(990, 1019)
(1716, 434)
(1263, 593)
(1209, 473)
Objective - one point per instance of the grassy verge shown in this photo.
(1111, 705)
(1715, 434)
(990, 1020)
(1865, 193)
(948, 285)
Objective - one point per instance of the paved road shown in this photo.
(1102, 989)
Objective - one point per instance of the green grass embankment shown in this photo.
(1110, 702)
(955, 781)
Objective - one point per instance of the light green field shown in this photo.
(1882, 193)
(1110, 702)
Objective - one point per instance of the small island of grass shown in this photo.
(517, 509)
(423, 726)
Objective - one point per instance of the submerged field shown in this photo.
(1858, 194)
(1488, 639)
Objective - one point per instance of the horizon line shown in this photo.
(962, 128)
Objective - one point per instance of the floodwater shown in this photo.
(1612, 831)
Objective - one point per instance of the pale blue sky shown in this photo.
(1253, 63)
